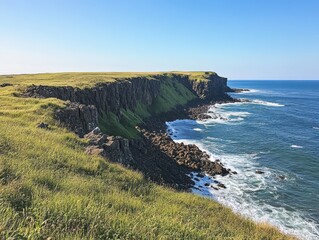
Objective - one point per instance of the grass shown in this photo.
(124, 127)
(197, 76)
(87, 79)
(50, 188)
(172, 93)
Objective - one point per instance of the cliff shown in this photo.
(118, 106)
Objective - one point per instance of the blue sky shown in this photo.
(247, 39)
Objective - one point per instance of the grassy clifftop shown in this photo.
(50, 188)
(82, 80)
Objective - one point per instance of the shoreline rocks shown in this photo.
(140, 155)
(156, 155)
(188, 155)
(237, 90)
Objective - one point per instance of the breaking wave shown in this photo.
(296, 146)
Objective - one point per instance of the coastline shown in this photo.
(157, 155)
(130, 128)
(204, 184)
(79, 112)
(302, 227)
(196, 161)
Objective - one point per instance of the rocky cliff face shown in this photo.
(126, 93)
(106, 97)
(87, 104)
(79, 118)
(157, 157)
(84, 106)
(211, 87)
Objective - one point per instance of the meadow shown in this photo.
(49, 187)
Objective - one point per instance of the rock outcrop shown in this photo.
(6, 85)
(236, 90)
(117, 149)
(141, 155)
(211, 87)
(188, 155)
(77, 117)
(106, 97)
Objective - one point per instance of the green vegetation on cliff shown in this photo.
(49, 187)
(172, 93)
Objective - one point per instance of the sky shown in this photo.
(246, 39)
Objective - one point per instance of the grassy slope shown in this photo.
(50, 187)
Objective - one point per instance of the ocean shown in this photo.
(277, 135)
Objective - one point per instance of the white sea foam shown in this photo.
(296, 146)
(241, 187)
(238, 194)
(265, 103)
(255, 101)
(221, 116)
(198, 129)
(253, 90)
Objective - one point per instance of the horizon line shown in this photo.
(230, 79)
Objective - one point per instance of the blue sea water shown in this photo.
(277, 133)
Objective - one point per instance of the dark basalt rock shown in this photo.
(281, 177)
(236, 90)
(96, 137)
(221, 185)
(189, 156)
(43, 125)
(77, 117)
(200, 175)
(6, 84)
(116, 149)
(139, 154)
(212, 89)
(106, 97)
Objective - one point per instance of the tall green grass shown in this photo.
(50, 188)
